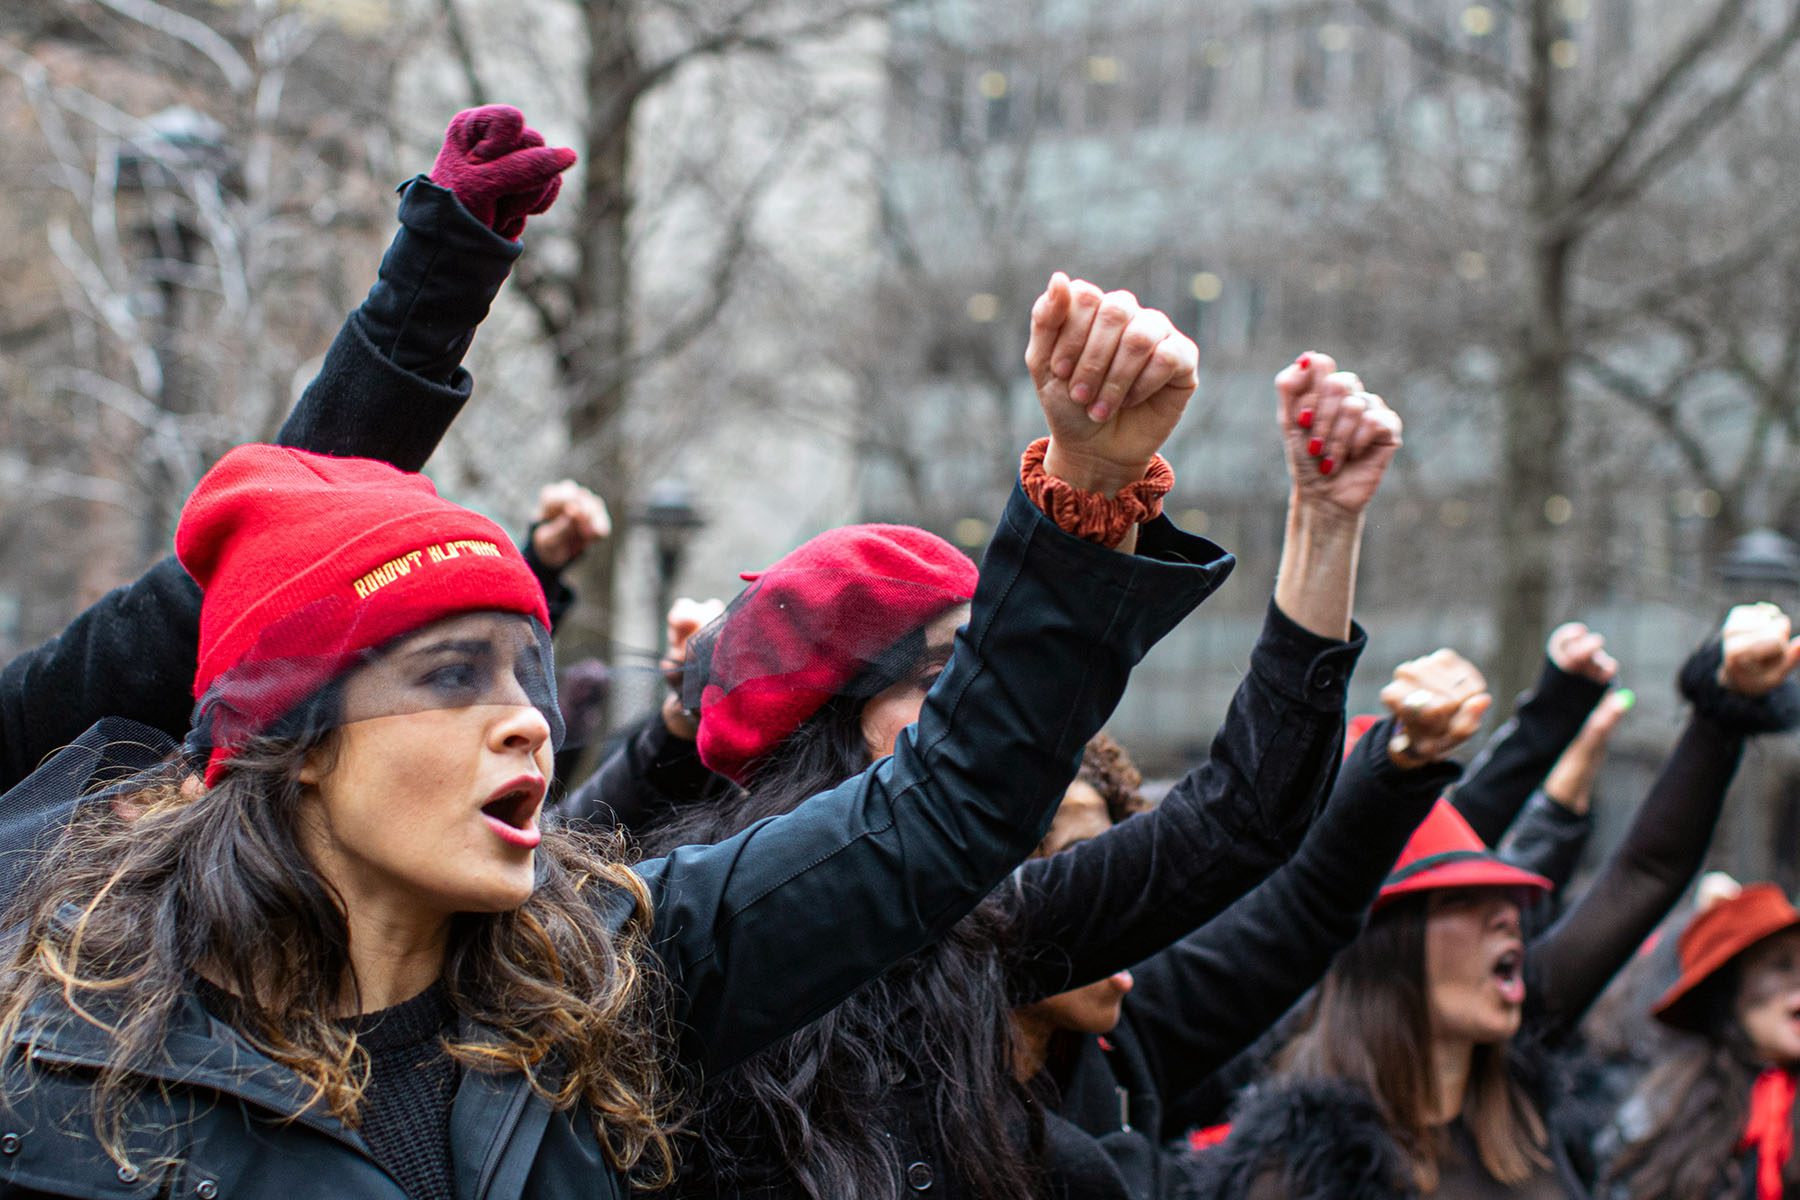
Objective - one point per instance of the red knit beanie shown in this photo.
(811, 624)
(304, 561)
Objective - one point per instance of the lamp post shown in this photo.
(181, 151)
(1763, 819)
(1761, 565)
(673, 520)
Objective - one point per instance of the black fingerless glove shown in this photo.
(1776, 712)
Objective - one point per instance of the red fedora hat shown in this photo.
(1444, 852)
(1713, 938)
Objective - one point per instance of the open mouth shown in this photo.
(1509, 975)
(512, 813)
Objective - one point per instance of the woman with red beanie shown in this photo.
(1425, 1066)
(1716, 1120)
(346, 959)
(815, 670)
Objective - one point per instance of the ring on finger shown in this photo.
(1417, 699)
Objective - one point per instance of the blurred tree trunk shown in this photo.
(595, 347)
(1536, 422)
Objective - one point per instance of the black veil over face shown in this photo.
(457, 661)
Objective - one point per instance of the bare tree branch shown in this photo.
(731, 38)
(1444, 54)
(1660, 405)
(1640, 113)
(460, 46)
(185, 29)
(1657, 297)
(1690, 133)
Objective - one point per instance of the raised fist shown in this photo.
(1578, 650)
(1112, 377)
(1438, 702)
(686, 618)
(1759, 649)
(499, 168)
(569, 519)
(1339, 438)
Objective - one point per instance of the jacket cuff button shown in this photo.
(206, 1189)
(919, 1177)
(10, 1143)
(128, 1174)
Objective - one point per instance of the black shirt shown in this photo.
(412, 1082)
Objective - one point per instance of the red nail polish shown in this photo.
(1305, 419)
(1326, 466)
(1315, 447)
(1304, 362)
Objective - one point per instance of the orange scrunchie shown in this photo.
(1769, 1129)
(1091, 516)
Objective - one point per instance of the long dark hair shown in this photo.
(1697, 1100)
(1371, 1025)
(933, 1034)
(126, 915)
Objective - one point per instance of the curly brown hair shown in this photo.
(1107, 769)
(124, 914)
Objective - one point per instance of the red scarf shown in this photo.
(1770, 1130)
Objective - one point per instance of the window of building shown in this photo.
(955, 110)
(1100, 96)
(1430, 16)
(1618, 27)
(1268, 45)
(1050, 115)
(1147, 77)
(1309, 69)
(996, 88)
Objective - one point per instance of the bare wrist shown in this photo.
(1317, 518)
(1088, 473)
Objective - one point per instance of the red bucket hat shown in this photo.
(811, 624)
(1444, 852)
(1712, 938)
(304, 561)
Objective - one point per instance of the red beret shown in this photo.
(812, 623)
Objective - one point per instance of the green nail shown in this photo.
(1627, 699)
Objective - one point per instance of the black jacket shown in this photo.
(1109, 902)
(1194, 1007)
(1548, 839)
(389, 387)
(757, 935)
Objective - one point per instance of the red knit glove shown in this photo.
(500, 170)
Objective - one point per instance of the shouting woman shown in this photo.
(330, 950)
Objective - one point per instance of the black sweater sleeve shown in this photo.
(558, 595)
(1114, 900)
(393, 381)
(1572, 961)
(132, 652)
(763, 932)
(1196, 1005)
(1521, 753)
